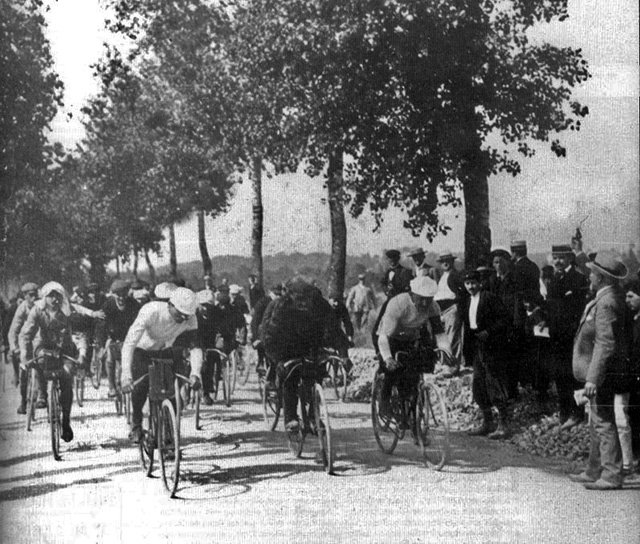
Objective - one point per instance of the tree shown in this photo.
(30, 96)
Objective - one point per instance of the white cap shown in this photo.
(234, 289)
(424, 286)
(51, 287)
(205, 297)
(184, 300)
(164, 290)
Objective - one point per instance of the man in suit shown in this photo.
(422, 267)
(526, 276)
(566, 298)
(450, 295)
(599, 359)
(633, 399)
(486, 327)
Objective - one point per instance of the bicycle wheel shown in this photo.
(147, 442)
(271, 405)
(339, 379)
(227, 377)
(198, 401)
(169, 447)
(126, 403)
(385, 427)
(233, 371)
(32, 389)
(432, 426)
(118, 401)
(323, 428)
(295, 439)
(244, 368)
(96, 368)
(78, 386)
(55, 418)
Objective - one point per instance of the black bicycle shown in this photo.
(337, 376)
(423, 412)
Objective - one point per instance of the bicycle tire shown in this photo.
(117, 400)
(198, 402)
(226, 381)
(31, 398)
(55, 418)
(323, 428)
(233, 360)
(384, 429)
(271, 405)
(146, 445)
(246, 370)
(78, 383)
(340, 380)
(126, 402)
(96, 368)
(169, 447)
(432, 426)
(295, 439)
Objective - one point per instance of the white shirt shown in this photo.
(473, 311)
(155, 329)
(443, 292)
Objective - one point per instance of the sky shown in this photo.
(597, 182)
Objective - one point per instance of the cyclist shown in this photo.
(258, 316)
(411, 324)
(29, 292)
(120, 311)
(153, 335)
(48, 327)
(295, 329)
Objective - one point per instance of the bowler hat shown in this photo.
(473, 275)
(610, 264)
(393, 254)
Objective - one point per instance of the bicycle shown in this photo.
(310, 396)
(224, 370)
(423, 413)
(161, 430)
(243, 366)
(97, 364)
(336, 373)
(51, 364)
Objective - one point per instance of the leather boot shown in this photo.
(485, 428)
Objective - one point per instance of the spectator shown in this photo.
(599, 359)
(360, 301)
(631, 399)
(486, 322)
(423, 268)
(256, 292)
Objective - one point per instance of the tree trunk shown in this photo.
(335, 190)
(3, 246)
(135, 263)
(152, 270)
(117, 266)
(258, 218)
(202, 242)
(173, 259)
(477, 232)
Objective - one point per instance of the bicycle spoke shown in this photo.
(432, 426)
(385, 426)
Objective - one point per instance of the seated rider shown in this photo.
(48, 327)
(295, 329)
(410, 324)
(152, 336)
(261, 310)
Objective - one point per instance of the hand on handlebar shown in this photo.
(391, 364)
(127, 385)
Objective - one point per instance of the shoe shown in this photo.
(602, 485)
(632, 478)
(41, 403)
(112, 394)
(571, 422)
(207, 400)
(292, 426)
(135, 434)
(482, 430)
(581, 478)
(67, 433)
(22, 409)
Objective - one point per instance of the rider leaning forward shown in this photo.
(411, 323)
(155, 334)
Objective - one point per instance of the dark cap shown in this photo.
(500, 253)
(563, 249)
(392, 254)
(473, 275)
(93, 287)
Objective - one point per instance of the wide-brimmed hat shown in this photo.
(416, 252)
(423, 286)
(608, 263)
(184, 300)
(561, 249)
(445, 256)
(518, 244)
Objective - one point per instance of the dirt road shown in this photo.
(242, 485)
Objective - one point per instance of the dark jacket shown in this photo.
(493, 317)
(526, 276)
(397, 283)
(566, 299)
